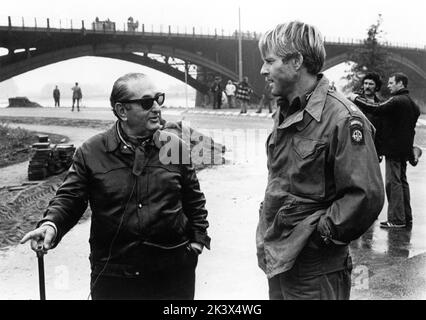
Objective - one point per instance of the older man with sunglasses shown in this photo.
(148, 213)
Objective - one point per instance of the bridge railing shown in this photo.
(105, 26)
(351, 41)
(74, 25)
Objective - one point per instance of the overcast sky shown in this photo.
(403, 22)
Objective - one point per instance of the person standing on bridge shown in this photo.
(400, 114)
(324, 184)
(76, 96)
(56, 96)
(149, 221)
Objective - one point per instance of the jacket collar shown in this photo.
(316, 102)
(112, 138)
(115, 139)
(314, 107)
(401, 91)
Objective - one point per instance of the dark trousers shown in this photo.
(231, 101)
(57, 102)
(78, 104)
(398, 192)
(243, 105)
(316, 275)
(162, 275)
(217, 100)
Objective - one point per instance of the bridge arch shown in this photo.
(122, 52)
(333, 61)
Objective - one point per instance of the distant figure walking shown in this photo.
(56, 96)
(267, 98)
(243, 94)
(230, 93)
(76, 96)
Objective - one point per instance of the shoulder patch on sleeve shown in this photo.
(356, 129)
(353, 108)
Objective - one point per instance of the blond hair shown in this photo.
(289, 40)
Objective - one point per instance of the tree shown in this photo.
(371, 57)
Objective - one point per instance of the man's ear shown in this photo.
(298, 61)
(121, 111)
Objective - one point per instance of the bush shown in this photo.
(12, 138)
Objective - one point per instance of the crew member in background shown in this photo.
(400, 114)
(56, 96)
(371, 84)
(76, 96)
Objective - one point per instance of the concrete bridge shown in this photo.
(203, 56)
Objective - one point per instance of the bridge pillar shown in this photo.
(201, 99)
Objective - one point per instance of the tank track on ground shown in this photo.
(49, 159)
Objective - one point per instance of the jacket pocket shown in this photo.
(165, 178)
(307, 177)
(110, 184)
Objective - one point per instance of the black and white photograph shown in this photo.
(212, 151)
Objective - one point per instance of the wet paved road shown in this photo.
(388, 264)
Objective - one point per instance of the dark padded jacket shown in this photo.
(399, 114)
(136, 197)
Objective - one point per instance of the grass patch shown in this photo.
(15, 144)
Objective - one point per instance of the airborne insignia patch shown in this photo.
(357, 132)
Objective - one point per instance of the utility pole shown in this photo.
(240, 53)
(186, 85)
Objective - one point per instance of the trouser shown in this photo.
(231, 101)
(243, 104)
(317, 274)
(398, 192)
(78, 104)
(157, 274)
(217, 101)
(266, 103)
(57, 102)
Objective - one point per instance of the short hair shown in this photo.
(375, 77)
(399, 76)
(290, 39)
(120, 90)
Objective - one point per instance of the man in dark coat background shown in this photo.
(399, 114)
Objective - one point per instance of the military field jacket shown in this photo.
(324, 176)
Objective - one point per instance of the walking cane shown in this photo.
(41, 281)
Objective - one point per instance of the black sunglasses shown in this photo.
(147, 103)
